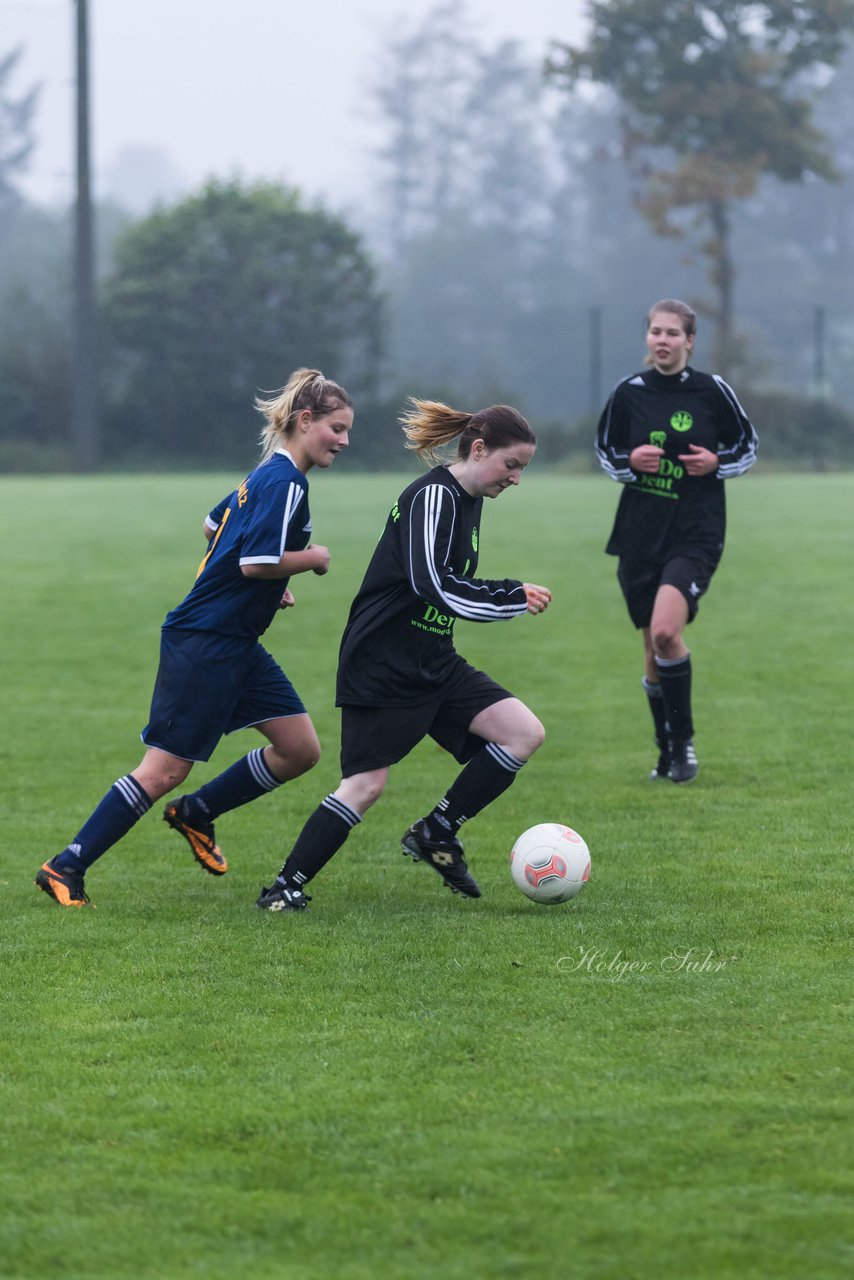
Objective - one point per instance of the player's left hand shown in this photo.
(287, 601)
(700, 461)
(539, 598)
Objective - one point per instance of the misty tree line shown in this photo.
(519, 225)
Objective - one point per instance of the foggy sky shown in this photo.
(187, 89)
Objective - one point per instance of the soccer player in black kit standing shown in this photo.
(400, 678)
(671, 435)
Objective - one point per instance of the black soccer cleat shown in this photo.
(684, 765)
(199, 836)
(443, 856)
(282, 898)
(662, 769)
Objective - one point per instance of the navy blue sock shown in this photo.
(320, 839)
(121, 808)
(245, 780)
(486, 776)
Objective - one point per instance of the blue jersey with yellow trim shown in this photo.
(264, 517)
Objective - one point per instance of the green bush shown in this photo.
(815, 435)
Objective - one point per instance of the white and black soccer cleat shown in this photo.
(684, 765)
(446, 857)
(282, 897)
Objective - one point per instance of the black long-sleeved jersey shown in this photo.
(398, 645)
(672, 512)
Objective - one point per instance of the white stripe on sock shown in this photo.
(260, 770)
(133, 795)
(341, 810)
(504, 757)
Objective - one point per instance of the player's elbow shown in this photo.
(258, 571)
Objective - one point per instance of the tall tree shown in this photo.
(16, 130)
(467, 173)
(220, 296)
(421, 93)
(712, 97)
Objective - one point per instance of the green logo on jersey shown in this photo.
(438, 624)
(658, 438)
(682, 421)
(395, 513)
(474, 539)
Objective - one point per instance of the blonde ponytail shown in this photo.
(304, 389)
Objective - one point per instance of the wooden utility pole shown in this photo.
(594, 356)
(84, 373)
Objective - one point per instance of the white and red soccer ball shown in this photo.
(550, 863)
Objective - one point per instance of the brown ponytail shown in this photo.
(429, 425)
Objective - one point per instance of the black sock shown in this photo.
(657, 709)
(321, 838)
(675, 677)
(482, 780)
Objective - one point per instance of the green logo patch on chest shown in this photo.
(682, 421)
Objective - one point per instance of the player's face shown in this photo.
(494, 470)
(322, 438)
(668, 344)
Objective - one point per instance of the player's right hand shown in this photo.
(322, 556)
(539, 598)
(645, 458)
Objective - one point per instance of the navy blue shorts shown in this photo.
(640, 582)
(208, 685)
(376, 737)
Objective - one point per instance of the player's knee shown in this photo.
(538, 735)
(370, 794)
(307, 758)
(362, 790)
(296, 762)
(665, 637)
(529, 738)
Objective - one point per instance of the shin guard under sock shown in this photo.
(245, 780)
(675, 677)
(486, 776)
(320, 839)
(657, 709)
(121, 808)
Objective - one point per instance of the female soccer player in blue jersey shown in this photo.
(400, 678)
(671, 436)
(214, 676)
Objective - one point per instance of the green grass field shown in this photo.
(650, 1083)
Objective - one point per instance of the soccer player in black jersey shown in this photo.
(400, 678)
(671, 436)
(214, 676)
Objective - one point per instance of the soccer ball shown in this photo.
(550, 863)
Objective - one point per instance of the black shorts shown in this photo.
(376, 737)
(640, 581)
